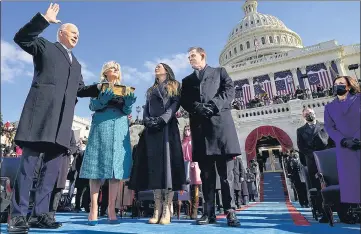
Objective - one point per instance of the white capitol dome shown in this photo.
(270, 33)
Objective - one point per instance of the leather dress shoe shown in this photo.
(323, 219)
(205, 219)
(18, 224)
(45, 222)
(232, 220)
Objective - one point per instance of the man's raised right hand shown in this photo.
(51, 13)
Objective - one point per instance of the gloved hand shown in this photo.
(129, 99)
(351, 143)
(158, 123)
(204, 109)
(106, 96)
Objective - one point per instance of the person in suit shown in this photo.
(108, 153)
(239, 176)
(58, 188)
(47, 115)
(312, 137)
(207, 95)
(159, 163)
(342, 123)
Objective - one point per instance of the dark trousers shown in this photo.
(82, 198)
(238, 198)
(301, 190)
(25, 177)
(208, 175)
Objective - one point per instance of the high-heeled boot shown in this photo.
(167, 207)
(194, 201)
(157, 207)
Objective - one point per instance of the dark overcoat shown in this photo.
(48, 112)
(65, 163)
(159, 162)
(309, 140)
(342, 120)
(239, 172)
(216, 135)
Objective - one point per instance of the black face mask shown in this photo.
(340, 89)
(310, 117)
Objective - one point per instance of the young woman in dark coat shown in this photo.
(159, 163)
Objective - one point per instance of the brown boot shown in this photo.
(167, 207)
(194, 201)
(157, 207)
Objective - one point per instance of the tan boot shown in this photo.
(157, 207)
(194, 202)
(167, 207)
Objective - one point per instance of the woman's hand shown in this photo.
(105, 96)
(129, 99)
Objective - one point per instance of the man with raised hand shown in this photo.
(47, 115)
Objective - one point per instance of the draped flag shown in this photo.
(285, 85)
(319, 77)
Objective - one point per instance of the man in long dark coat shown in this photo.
(47, 116)
(312, 137)
(207, 94)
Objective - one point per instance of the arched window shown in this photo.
(235, 50)
(230, 53)
(263, 41)
(278, 39)
(248, 45)
(270, 39)
(241, 47)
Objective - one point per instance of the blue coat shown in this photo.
(108, 152)
(342, 120)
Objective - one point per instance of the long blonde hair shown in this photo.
(108, 65)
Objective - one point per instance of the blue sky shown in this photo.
(140, 34)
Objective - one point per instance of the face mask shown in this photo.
(310, 117)
(340, 90)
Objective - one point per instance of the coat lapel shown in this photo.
(65, 53)
(207, 74)
(349, 101)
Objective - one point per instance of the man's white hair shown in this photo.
(61, 28)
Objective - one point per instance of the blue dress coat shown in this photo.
(342, 120)
(108, 152)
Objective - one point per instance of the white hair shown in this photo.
(61, 28)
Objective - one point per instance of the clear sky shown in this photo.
(140, 34)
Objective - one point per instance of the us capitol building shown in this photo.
(263, 54)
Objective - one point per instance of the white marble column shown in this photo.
(250, 81)
(295, 77)
(340, 67)
(273, 84)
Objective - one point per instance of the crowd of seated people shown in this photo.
(264, 100)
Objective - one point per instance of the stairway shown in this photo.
(273, 190)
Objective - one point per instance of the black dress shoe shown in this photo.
(18, 224)
(323, 219)
(204, 220)
(232, 220)
(45, 222)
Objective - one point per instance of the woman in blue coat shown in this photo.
(342, 122)
(108, 153)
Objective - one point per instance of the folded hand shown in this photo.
(129, 99)
(105, 96)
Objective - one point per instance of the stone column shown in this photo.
(340, 67)
(295, 77)
(328, 65)
(250, 81)
(273, 84)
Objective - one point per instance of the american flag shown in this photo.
(283, 86)
(319, 77)
(243, 89)
(262, 85)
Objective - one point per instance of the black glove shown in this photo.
(154, 123)
(351, 143)
(204, 109)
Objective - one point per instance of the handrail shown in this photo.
(286, 179)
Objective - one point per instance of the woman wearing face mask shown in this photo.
(342, 122)
(194, 171)
(159, 164)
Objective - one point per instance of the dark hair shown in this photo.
(172, 86)
(351, 82)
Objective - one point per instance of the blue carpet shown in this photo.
(268, 217)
